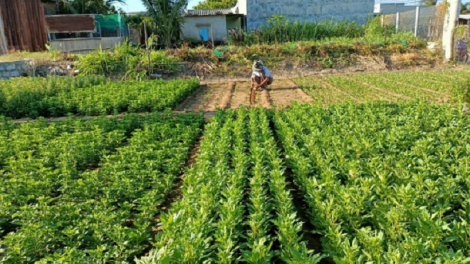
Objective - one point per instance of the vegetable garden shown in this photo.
(56, 96)
(377, 166)
(88, 191)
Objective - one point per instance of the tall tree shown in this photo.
(464, 8)
(169, 18)
(214, 4)
(430, 2)
(89, 6)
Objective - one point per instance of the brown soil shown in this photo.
(194, 101)
(265, 99)
(225, 101)
(283, 92)
(233, 94)
(241, 95)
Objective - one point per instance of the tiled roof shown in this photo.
(210, 12)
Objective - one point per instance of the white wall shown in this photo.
(219, 27)
(258, 11)
(85, 44)
(392, 8)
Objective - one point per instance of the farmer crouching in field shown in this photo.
(261, 75)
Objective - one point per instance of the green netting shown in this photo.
(110, 22)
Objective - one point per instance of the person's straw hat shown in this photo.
(257, 66)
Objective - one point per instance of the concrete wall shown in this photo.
(191, 27)
(13, 69)
(85, 44)
(385, 9)
(258, 11)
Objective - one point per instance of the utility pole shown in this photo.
(450, 21)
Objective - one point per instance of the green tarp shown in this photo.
(110, 22)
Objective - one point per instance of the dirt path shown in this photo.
(227, 97)
(241, 95)
(233, 94)
(194, 100)
(304, 97)
(283, 92)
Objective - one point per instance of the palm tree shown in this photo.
(168, 15)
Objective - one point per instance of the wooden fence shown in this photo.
(24, 25)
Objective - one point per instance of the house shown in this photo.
(464, 19)
(251, 14)
(213, 24)
(258, 11)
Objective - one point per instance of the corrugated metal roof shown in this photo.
(70, 23)
(210, 12)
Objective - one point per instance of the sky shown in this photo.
(136, 5)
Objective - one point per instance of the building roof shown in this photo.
(466, 17)
(212, 12)
(70, 23)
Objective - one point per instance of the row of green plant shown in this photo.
(453, 83)
(59, 96)
(24, 97)
(384, 183)
(188, 226)
(450, 86)
(270, 166)
(260, 204)
(119, 97)
(89, 191)
(219, 219)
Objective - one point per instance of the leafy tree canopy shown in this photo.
(430, 2)
(168, 17)
(88, 6)
(215, 4)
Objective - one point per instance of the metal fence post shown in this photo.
(397, 23)
(416, 21)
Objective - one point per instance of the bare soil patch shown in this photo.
(265, 99)
(300, 93)
(234, 94)
(283, 93)
(241, 95)
(195, 100)
(226, 99)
